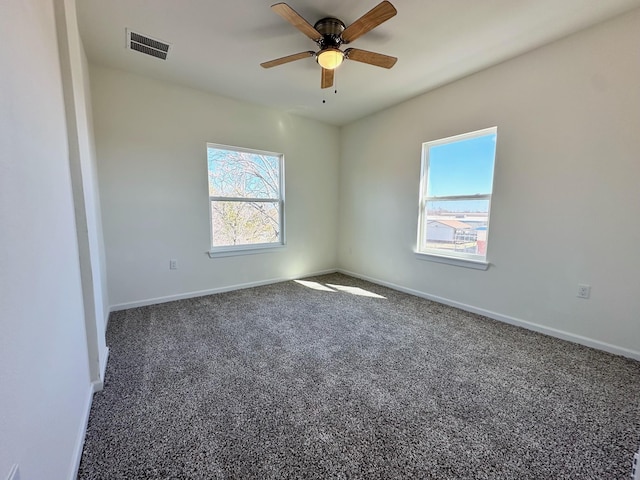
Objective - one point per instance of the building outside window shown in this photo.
(456, 185)
(246, 198)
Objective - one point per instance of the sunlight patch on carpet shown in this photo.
(314, 285)
(355, 291)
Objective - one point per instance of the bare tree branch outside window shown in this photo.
(245, 190)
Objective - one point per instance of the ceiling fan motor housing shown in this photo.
(331, 30)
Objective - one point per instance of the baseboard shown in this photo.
(82, 433)
(553, 332)
(98, 385)
(104, 365)
(202, 293)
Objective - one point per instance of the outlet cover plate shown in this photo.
(584, 291)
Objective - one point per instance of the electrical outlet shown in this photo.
(173, 264)
(584, 291)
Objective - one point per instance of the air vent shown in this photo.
(145, 44)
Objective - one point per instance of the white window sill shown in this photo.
(458, 262)
(244, 250)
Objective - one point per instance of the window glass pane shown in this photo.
(243, 174)
(244, 223)
(457, 226)
(463, 167)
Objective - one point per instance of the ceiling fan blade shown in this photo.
(327, 78)
(295, 19)
(287, 59)
(372, 58)
(370, 20)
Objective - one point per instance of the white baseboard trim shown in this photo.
(82, 433)
(553, 332)
(202, 293)
(104, 365)
(98, 385)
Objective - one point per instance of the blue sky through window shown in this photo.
(464, 167)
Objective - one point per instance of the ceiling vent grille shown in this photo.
(147, 45)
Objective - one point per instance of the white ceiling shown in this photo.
(218, 45)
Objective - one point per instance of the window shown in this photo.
(246, 197)
(455, 198)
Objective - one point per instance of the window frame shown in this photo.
(461, 259)
(248, 248)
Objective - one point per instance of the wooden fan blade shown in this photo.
(295, 19)
(327, 78)
(372, 58)
(287, 59)
(370, 20)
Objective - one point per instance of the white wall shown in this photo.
(44, 375)
(567, 174)
(151, 146)
(75, 80)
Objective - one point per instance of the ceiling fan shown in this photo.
(330, 33)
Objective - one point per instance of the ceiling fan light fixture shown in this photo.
(330, 58)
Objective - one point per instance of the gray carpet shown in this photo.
(286, 381)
